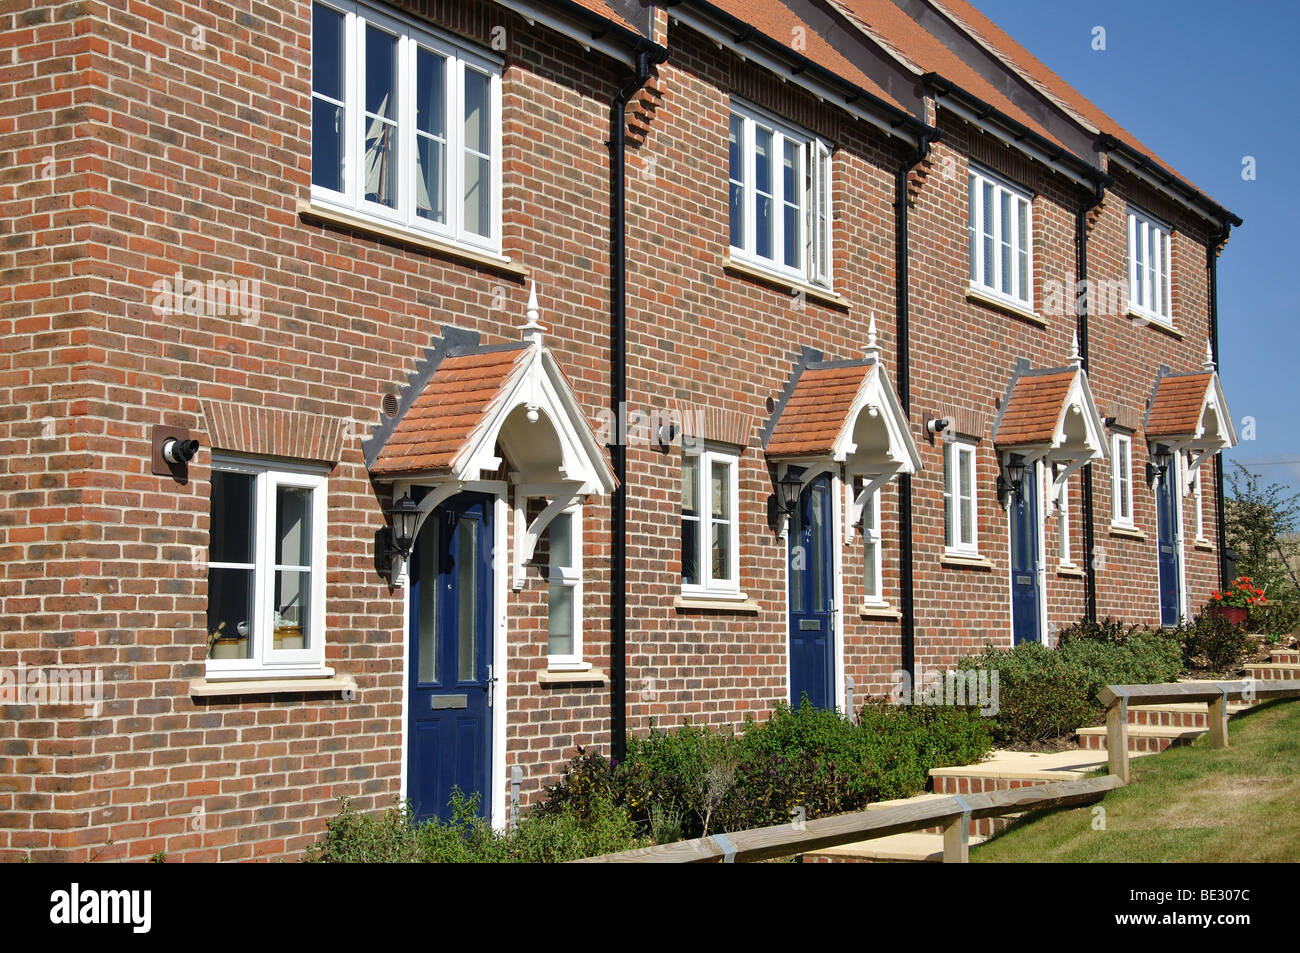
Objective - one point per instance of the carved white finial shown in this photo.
(1076, 359)
(1209, 357)
(533, 329)
(872, 349)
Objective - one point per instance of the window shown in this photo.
(959, 506)
(406, 126)
(1063, 529)
(564, 594)
(1121, 479)
(1149, 284)
(872, 586)
(1194, 477)
(780, 198)
(710, 532)
(266, 571)
(1001, 254)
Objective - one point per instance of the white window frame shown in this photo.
(954, 505)
(872, 551)
(357, 15)
(815, 253)
(707, 586)
(1121, 488)
(268, 661)
(1150, 289)
(571, 577)
(1064, 554)
(1019, 297)
(1195, 477)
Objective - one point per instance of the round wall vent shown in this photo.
(390, 405)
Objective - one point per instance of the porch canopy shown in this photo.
(845, 413)
(1049, 414)
(1189, 414)
(475, 413)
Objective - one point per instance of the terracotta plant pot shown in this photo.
(1237, 615)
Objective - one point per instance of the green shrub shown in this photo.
(1212, 643)
(1108, 630)
(1042, 694)
(690, 780)
(1143, 657)
(1281, 617)
(394, 837)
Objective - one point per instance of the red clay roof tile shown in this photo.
(816, 411)
(1176, 408)
(453, 403)
(1034, 409)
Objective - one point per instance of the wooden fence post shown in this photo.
(1218, 718)
(1117, 738)
(956, 836)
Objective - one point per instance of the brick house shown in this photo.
(402, 395)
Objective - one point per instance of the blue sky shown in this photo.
(1204, 85)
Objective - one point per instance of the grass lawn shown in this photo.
(1191, 804)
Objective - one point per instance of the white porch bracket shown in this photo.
(1073, 465)
(858, 502)
(561, 496)
(438, 494)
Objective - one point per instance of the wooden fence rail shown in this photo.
(1116, 699)
(953, 814)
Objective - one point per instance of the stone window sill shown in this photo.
(1160, 324)
(591, 676)
(979, 296)
(1129, 532)
(870, 610)
(956, 561)
(785, 283)
(1070, 570)
(328, 684)
(341, 219)
(1204, 545)
(688, 603)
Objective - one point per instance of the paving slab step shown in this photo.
(1285, 656)
(1149, 739)
(1177, 715)
(914, 847)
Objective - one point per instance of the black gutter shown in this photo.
(902, 310)
(645, 57)
(1084, 306)
(1212, 210)
(1212, 262)
(746, 33)
(1018, 131)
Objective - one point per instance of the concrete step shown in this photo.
(1285, 656)
(915, 847)
(1145, 739)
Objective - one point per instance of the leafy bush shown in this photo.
(1108, 630)
(1211, 642)
(1042, 694)
(394, 837)
(691, 781)
(1279, 617)
(1145, 656)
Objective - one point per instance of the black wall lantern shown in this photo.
(400, 535)
(789, 487)
(1158, 465)
(1012, 478)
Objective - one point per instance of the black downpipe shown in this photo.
(618, 399)
(1084, 304)
(901, 308)
(1212, 262)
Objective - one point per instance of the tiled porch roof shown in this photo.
(1034, 410)
(1176, 408)
(458, 396)
(815, 413)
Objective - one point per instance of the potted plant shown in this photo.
(1234, 602)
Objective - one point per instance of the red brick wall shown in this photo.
(168, 156)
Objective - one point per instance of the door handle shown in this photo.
(491, 687)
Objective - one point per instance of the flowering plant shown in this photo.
(1242, 594)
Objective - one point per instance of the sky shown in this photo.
(1205, 85)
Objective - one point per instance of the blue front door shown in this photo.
(450, 718)
(1171, 609)
(812, 638)
(1025, 607)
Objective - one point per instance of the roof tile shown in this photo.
(815, 413)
